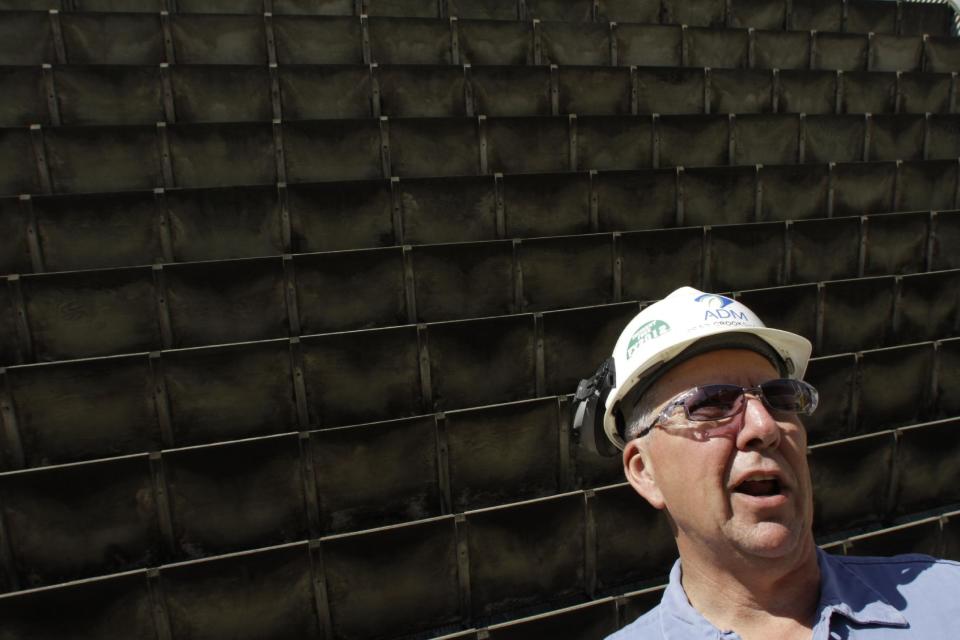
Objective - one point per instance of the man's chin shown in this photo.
(769, 540)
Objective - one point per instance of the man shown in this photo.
(705, 403)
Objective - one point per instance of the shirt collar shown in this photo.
(841, 591)
(844, 592)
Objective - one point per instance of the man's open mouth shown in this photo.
(759, 486)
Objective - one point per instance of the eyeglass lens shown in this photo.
(718, 401)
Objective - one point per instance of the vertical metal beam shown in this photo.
(6, 558)
(409, 284)
(614, 47)
(634, 90)
(594, 202)
(928, 253)
(517, 248)
(956, 193)
(923, 52)
(867, 136)
(897, 302)
(537, 44)
(499, 206)
(385, 162)
(158, 605)
(268, 35)
(278, 154)
(33, 237)
(898, 92)
(953, 92)
(11, 427)
(655, 140)
(616, 255)
(166, 164)
(462, 528)
(775, 89)
(731, 138)
(168, 49)
(161, 400)
(40, 158)
(468, 90)
(318, 580)
(443, 463)
(163, 308)
(589, 544)
(454, 41)
(561, 409)
(22, 322)
(396, 211)
(684, 46)
(365, 40)
(56, 31)
(276, 104)
(308, 477)
(788, 251)
(572, 140)
(554, 90)
(162, 220)
(50, 89)
(758, 193)
(707, 89)
(862, 251)
(934, 389)
(162, 504)
(482, 135)
(813, 48)
(839, 91)
(290, 295)
(819, 321)
(286, 227)
(897, 186)
(426, 384)
(802, 142)
(299, 383)
(787, 248)
(540, 371)
(831, 189)
(376, 108)
(166, 87)
(678, 181)
(705, 272)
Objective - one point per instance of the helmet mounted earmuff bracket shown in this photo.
(589, 408)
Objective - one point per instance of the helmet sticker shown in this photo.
(645, 333)
(714, 301)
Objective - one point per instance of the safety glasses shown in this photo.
(720, 402)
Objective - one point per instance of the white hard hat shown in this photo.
(684, 324)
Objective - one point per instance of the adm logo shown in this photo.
(645, 333)
(717, 308)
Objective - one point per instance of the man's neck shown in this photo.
(756, 597)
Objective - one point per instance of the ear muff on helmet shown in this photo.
(589, 408)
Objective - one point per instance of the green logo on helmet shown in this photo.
(645, 333)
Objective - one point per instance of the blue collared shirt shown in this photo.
(861, 598)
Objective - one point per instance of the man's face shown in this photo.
(717, 489)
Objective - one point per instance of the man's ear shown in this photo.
(640, 474)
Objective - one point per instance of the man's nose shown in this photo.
(759, 429)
